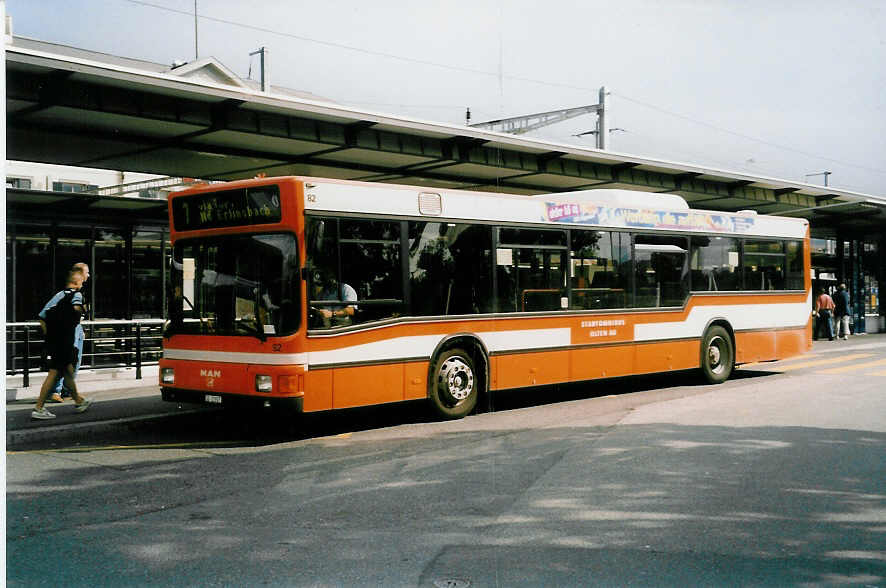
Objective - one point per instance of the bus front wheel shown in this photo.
(717, 355)
(454, 386)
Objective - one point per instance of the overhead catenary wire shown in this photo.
(500, 76)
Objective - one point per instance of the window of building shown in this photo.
(73, 187)
(15, 182)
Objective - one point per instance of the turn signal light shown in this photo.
(288, 384)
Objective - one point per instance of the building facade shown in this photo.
(55, 218)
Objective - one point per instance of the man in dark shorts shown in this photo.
(59, 393)
(65, 307)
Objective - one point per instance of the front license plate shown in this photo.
(213, 399)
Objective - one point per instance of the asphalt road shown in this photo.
(774, 478)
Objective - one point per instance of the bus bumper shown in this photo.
(288, 403)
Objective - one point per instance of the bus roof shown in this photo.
(604, 208)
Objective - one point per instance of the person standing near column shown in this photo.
(824, 308)
(841, 313)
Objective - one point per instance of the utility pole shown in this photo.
(265, 73)
(603, 120)
(824, 173)
(196, 52)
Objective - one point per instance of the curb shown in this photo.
(87, 381)
(89, 429)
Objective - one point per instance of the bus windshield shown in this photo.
(240, 285)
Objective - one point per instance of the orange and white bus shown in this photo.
(324, 294)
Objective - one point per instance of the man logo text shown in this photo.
(211, 373)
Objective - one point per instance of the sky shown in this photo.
(784, 89)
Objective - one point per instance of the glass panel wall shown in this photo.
(110, 275)
(10, 278)
(147, 274)
(72, 245)
(34, 283)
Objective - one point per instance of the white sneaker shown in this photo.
(42, 414)
(83, 405)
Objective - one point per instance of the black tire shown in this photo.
(454, 384)
(717, 355)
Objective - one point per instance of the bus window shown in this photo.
(764, 265)
(714, 264)
(449, 268)
(355, 272)
(239, 285)
(599, 269)
(530, 270)
(660, 271)
(794, 264)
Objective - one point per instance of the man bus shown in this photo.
(322, 294)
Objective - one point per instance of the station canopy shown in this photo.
(72, 107)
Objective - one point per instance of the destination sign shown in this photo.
(229, 208)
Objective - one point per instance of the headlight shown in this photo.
(167, 376)
(263, 383)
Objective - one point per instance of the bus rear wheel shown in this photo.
(454, 385)
(717, 355)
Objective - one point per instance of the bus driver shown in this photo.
(325, 287)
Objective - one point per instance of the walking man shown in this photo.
(60, 392)
(61, 319)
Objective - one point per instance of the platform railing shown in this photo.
(107, 344)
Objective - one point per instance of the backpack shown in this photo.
(63, 316)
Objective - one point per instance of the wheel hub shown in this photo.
(715, 355)
(457, 378)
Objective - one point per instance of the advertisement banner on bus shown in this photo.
(592, 214)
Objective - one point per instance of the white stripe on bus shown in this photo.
(236, 357)
(742, 318)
